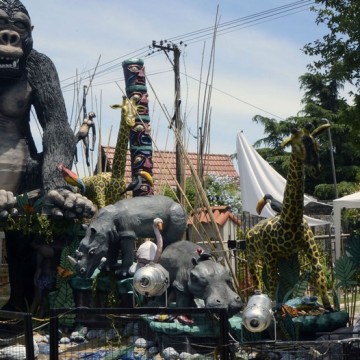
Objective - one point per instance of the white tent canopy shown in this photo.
(349, 202)
(258, 178)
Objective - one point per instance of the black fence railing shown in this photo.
(151, 333)
(162, 330)
(328, 347)
(16, 335)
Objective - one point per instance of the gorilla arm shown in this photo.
(48, 101)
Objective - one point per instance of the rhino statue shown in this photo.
(196, 275)
(115, 228)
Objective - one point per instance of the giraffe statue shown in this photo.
(108, 187)
(288, 233)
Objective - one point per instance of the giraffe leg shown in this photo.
(313, 254)
(272, 274)
(252, 268)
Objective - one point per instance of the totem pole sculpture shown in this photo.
(140, 138)
(108, 187)
(288, 233)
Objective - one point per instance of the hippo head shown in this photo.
(93, 250)
(211, 282)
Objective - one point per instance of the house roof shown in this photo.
(221, 214)
(164, 170)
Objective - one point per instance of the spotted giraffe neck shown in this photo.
(119, 164)
(293, 202)
(128, 115)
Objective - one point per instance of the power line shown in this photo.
(201, 35)
(240, 23)
(238, 99)
(243, 26)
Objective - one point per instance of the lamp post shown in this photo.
(326, 121)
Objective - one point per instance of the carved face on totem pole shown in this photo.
(142, 105)
(15, 38)
(142, 160)
(134, 71)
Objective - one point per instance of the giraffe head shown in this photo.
(305, 148)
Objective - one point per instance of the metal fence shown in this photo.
(158, 333)
(327, 347)
(144, 333)
(16, 336)
(154, 333)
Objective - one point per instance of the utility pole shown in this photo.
(326, 121)
(180, 173)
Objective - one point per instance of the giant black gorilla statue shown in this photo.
(28, 78)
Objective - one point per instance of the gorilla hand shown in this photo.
(69, 205)
(7, 204)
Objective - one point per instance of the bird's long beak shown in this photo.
(160, 226)
(260, 205)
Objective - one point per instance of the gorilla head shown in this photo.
(15, 38)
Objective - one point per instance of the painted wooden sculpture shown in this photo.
(108, 187)
(140, 138)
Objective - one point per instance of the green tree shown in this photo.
(338, 58)
(224, 191)
(321, 101)
(220, 191)
(277, 131)
(321, 96)
(269, 147)
(337, 53)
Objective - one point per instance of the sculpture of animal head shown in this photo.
(15, 38)
(305, 148)
(94, 248)
(211, 282)
(199, 278)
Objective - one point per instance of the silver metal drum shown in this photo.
(151, 280)
(258, 314)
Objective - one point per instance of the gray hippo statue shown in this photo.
(115, 228)
(195, 274)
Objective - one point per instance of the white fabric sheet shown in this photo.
(351, 201)
(258, 178)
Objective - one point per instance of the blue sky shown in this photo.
(256, 71)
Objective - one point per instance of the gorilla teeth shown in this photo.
(8, 63)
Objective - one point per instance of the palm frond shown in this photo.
(352, 249)
(344, 272)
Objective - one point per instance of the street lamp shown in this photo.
(326, 121)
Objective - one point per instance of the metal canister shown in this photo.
(151, 280)
(257, 314)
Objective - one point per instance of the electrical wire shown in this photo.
(192, 38)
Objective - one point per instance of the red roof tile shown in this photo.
(164, 170)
